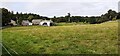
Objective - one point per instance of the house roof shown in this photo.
(36, 20)
(25, 21)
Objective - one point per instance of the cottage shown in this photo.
(26, 22)
(46, 23)
(36, 21)
(13, 23)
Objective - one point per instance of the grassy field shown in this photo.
(70, 39)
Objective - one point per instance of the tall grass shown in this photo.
(71, 39)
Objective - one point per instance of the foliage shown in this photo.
(30, 17)
(5, 16)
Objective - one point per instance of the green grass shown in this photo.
(70, 39)
(69, 24)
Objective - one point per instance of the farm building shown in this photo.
(13, 23)
(26, 22)
(36, 21)
(46, 23)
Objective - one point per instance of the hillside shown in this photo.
(71, 39)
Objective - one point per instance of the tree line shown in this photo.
(7, 16)
(110, 15)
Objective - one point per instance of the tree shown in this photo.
(118, 15)
(112, 14)
(20, 20)
(5, 17)
(30, 17)
(68, 17)
(54, 19)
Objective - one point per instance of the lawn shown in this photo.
(70, 39)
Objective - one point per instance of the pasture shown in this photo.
(63, 39)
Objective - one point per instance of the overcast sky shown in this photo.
(52, 8)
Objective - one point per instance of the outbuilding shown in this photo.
(46, 23)
(13, 23)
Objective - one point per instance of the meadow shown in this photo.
(63, 39)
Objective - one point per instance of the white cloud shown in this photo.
(95, 7)
(59, 0)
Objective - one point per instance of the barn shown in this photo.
(46, 23)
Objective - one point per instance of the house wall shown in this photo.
(13, 22)
(25, 22)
